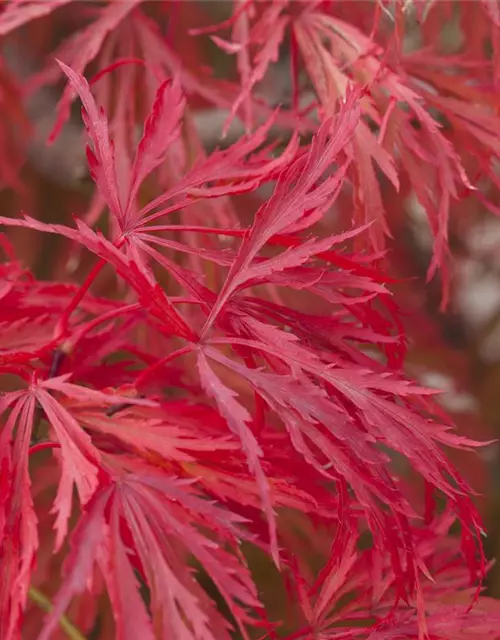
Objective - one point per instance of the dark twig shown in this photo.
(57, 359)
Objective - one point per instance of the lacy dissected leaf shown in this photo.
(157, 517)
(80, 460)
(297, 191)
(226, 172)
(234, 394)
(336, 605)
(268, 43)
(472, 130)
(401, 135)
(18, 521)
(294, 257)
(86, 540)
(31, 310)
(177, 434)
(238, 420)
(222, 166)
(338, 426)
(160, 130)
(150, 294)
(102, 158)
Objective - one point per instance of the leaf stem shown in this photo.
(92, 324)
(41, 446)
(62, 325)
(150, 371)
(44, 603)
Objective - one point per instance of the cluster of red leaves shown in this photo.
(244, 370)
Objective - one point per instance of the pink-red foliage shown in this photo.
(236, 383)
